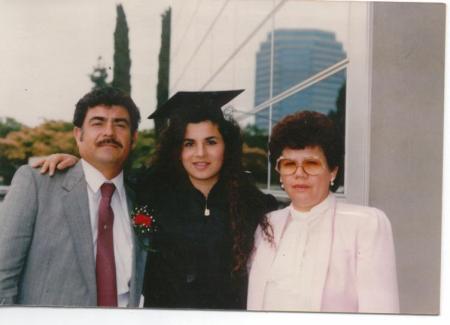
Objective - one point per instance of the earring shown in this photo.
(332, 182)
(281, 184)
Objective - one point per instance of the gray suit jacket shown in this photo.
(46, 250)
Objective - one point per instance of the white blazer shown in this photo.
(357, 271)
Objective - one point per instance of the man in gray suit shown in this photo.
(66, 240)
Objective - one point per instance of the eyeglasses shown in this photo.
(311, 166)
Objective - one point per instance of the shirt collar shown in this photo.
(315, 211)
(95, 179)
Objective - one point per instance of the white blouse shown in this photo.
(290, 279)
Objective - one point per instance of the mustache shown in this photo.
(109, 141)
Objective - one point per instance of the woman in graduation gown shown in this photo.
(206, 208)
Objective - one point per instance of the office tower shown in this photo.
(298, 55)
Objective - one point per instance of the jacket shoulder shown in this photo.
(25, 176)
(274, 216)
(28, 171)
(363, 216)
(357, 210)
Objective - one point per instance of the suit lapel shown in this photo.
(76, 209)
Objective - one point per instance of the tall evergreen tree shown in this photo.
(164, 67)
(122, 61)
(99, 75)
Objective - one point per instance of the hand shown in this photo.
(58, 161)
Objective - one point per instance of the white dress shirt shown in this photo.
(122, 237)
(290, 280)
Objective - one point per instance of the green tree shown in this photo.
(18, 146)
(7, 125)
(122, 61)
(255, 137)
(338, 118)
(7, 167)
(99, 75)
(255, 152)
(140, 157)
(162, 93)
(143, 150)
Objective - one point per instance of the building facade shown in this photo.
(298, 54)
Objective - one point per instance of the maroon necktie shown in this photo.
(105, 268)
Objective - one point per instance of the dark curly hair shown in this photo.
(247, 205)
(106, 96)
(307, 129)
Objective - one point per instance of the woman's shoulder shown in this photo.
(276, 215)
(275, 219)
(360, 214)
(356, 209)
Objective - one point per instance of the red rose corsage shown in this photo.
(144, 225)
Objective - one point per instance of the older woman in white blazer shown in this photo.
(323, 255)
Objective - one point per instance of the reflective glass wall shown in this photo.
(289, 56)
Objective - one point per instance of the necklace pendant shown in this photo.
(207, 212)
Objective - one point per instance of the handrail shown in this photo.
(341, 65)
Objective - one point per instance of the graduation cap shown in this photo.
(186, 101)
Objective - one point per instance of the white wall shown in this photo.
(407, 141)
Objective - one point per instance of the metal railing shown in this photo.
(341, 65)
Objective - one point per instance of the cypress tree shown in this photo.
(164, 68)
(122, 61)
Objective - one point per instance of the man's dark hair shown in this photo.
(107, 96)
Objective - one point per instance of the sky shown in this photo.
(49, 47)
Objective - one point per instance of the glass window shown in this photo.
(289, 56)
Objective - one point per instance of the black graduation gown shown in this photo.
(192, 265)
